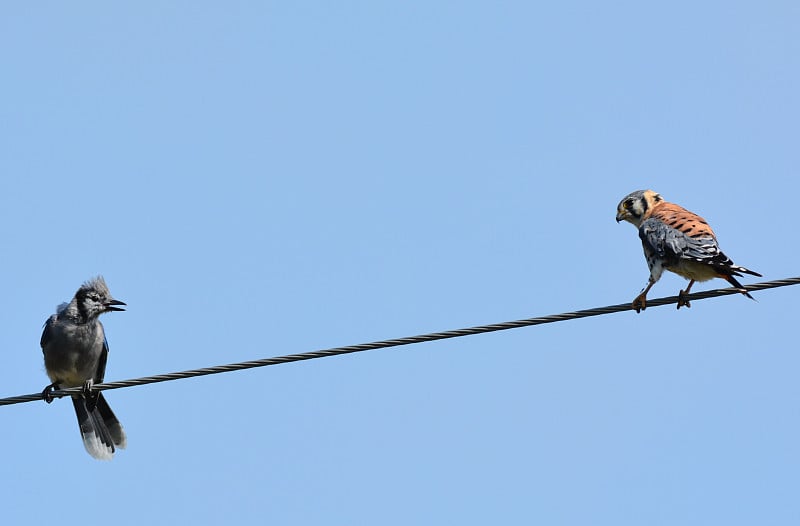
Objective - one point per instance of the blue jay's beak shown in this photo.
(111, 305)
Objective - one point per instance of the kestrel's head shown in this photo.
(635, 206)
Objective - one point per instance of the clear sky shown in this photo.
(263, 178)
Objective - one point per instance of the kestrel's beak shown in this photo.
(621, 216)
(111, 305)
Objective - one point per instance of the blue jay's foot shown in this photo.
(90, 396)
(87, 389)
(47, 394)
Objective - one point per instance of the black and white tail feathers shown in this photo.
(100, 429)
(735, 270)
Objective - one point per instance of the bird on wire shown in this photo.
(677, 240)
(75, 354)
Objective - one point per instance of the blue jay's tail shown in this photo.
(100, 429)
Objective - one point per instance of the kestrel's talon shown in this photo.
(683, 299)
(640, 303)
(683, 295)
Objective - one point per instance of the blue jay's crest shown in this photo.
(94, 298)
(97, 284)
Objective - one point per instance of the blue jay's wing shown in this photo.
(104, 413)
(101, 363)
(46, 333)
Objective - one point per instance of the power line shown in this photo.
(396, 342)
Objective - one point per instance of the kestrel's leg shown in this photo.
(683, 296)
(640, 302)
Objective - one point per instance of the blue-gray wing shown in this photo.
(47, 333)
(101, 363)
(672, 245)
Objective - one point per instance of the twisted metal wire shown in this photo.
(396, 342)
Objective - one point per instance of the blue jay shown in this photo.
(75, 353)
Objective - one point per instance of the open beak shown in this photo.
(111, 305)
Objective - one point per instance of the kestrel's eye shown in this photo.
(628, 203)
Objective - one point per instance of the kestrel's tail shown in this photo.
(735, 270)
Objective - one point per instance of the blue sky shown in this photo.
(263, 178)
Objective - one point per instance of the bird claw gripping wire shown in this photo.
(683, 299)
(86, 391)
(640, 302)
(89, 395)
(47, 393)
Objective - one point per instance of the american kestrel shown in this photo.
(677, 240)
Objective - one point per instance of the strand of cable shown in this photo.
(396, 342)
